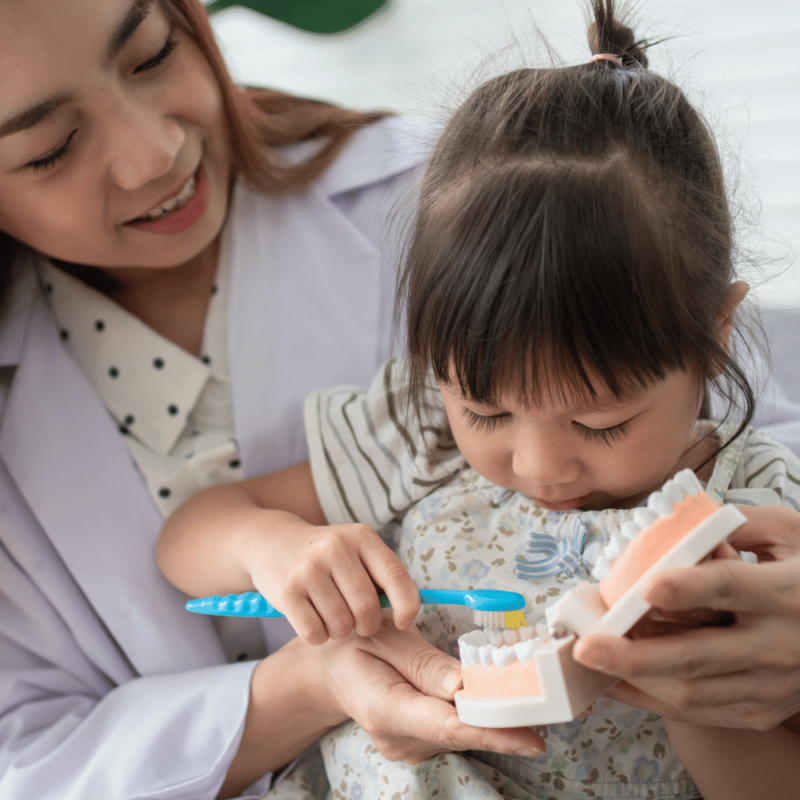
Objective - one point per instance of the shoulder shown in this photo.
(762, 472)
(375, 154)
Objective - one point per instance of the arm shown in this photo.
(731, 764)
(268, 534)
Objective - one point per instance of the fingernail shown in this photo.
(451, 681)
(530, 752)
(595, 657)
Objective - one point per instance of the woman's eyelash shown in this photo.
(54, 156)
(480, 422)
(161, 55)
(605, 435)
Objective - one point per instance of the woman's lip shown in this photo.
(563, 505)
(181, 218)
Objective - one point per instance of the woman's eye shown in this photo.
(480, 422)
(162, 55)
(605, 435)
(54, 156)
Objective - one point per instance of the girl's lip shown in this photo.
(563, 505)
(182, 218)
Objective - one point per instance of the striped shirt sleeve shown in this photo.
(767, 474)
(371, 458)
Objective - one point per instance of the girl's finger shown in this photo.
(331, 607)
(388, 572)
(304, 618)
(359, 593)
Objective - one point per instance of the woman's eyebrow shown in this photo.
(136, 15)
(30, 117)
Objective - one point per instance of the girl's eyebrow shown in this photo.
(30, 117)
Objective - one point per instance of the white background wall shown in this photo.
(738, 59)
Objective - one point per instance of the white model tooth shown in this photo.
(493, 635)
(644, 517)
(659, 504)
(503, 656)
(468, 653)
(592, 553)
(688, 482)
(615, 547)
(479, 638)
(630, 530)
(510, 636)
(527, 632)
(672, 489)
(601, 568)
(524, 650)
(542, 632)
(485, 655)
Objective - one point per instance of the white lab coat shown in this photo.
(109, 689)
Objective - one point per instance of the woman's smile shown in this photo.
(177, 213)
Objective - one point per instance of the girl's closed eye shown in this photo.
(483, 422)
(608, 435)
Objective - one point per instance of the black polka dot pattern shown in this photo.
(235, 464)
(164, 492)
(206, 359)
(113, 372)
(158, 363)
(99, 325)
(173, 409)
(130, 419)
(64, 334)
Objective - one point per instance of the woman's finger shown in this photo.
(730, 585)
(331, 607)
(388, 572)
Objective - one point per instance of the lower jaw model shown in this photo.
(527, 676)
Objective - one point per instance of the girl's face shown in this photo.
(604, 454)
(109, 114)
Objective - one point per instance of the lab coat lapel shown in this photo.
(292, 329)
(68, 460)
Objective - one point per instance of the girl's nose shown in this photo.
(144, 147)
(544, 460)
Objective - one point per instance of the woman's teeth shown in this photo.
(179, 200)
(499, 647)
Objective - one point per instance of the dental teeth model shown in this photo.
(526, 677)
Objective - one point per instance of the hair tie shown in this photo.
(606, 57)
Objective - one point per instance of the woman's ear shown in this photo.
(727, 313)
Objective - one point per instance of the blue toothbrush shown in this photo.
(490, 606)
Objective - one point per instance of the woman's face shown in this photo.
(109, 114)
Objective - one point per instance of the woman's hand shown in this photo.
(746, 675)
(400, 689)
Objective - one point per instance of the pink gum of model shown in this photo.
(535, 681)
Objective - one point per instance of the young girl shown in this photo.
(570, 302)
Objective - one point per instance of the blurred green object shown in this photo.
(314, 16)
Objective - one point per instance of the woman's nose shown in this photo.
(144, 146)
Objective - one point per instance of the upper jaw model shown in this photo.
(527, 677)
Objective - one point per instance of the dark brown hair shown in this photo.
(259, 120)
(573, 220)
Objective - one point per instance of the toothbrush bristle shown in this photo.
(515, 619)
(499, 619)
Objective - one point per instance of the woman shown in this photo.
(120, 134)
(119, 143)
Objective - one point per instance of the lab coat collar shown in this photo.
(59, 445)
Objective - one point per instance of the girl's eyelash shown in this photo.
(605, 435)
(479, 422)
(162, 55)
(54, 156)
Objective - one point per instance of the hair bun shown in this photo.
(608, 34)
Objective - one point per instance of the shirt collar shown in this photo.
(147, 383)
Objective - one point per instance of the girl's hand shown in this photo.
(400, 690)
(324, 578)
(746, 675)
